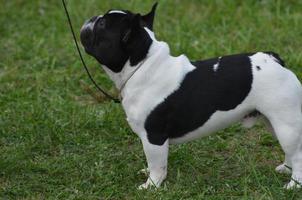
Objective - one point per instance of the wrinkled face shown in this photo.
(114, 37)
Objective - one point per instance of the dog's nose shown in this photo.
(92, 19)
(89, 23)
(86, 33)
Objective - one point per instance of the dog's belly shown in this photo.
(219, 120)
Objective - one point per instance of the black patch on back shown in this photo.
(202, 93)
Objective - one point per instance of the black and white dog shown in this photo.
(171, 100)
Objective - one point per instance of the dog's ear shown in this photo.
(134, 27)
(148, 19)
(135, 40)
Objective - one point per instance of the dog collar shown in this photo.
(131, 75)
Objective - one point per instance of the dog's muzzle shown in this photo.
(86, 33)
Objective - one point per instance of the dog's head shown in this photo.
(118, 36)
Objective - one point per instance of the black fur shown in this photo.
(202, 93)
(138, 43)
(147, 20)
(117, 38)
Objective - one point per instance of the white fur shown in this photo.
(215, 67)
(117, 11)
(276, 93)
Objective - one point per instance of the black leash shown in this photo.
(89, 75)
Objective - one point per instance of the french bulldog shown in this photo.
(171, 100)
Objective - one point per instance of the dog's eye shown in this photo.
(102, 23)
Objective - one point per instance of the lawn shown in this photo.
(59, 139)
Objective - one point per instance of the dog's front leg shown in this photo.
(157, 159)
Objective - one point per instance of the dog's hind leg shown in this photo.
(284, 168)
(157, 159)
(296, 158)
(288, 129)
(280, 100)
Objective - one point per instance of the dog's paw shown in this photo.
(148, 185)
(283, 169)
(292, 185)
(143, 186)
(144, 171)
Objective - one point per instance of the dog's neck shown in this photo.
(156, 48)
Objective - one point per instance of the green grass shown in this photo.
(59, 141)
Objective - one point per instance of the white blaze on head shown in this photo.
(117, 11)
